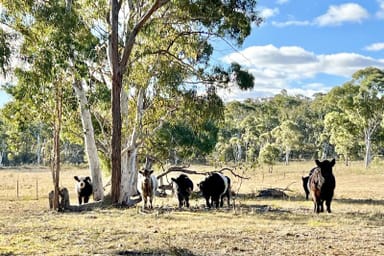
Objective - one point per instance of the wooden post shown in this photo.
(37, 189)
(17, 188)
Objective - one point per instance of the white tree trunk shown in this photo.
(367, 138)
(287, 152)
(129, 155)
(38, 150)
(90, 143)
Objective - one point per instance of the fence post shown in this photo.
(37, 189)
(17, 188)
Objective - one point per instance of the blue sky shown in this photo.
(307, 47)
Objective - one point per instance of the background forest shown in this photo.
(342, 123)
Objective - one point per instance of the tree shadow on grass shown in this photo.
(172, 251)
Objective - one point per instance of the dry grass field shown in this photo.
(253, 226)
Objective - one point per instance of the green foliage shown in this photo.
(269, 154)
(5, 50)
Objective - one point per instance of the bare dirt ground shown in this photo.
(251, 226)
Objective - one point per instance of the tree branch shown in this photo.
(130, 38)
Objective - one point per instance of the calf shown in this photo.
(184, 188)
(215, 187)
(147, 186)
(83, 188)
(323, 190)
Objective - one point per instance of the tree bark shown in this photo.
(117, 81)
(90, 143)
(56, 145)
(367, 139)
(129, 167)
(118, 64)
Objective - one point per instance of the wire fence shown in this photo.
(19, 189)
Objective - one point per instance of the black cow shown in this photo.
(214, 188)
(328, 184)
(83, 188)
(184, 188)
(305, 186)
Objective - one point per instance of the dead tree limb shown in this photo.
(179, 169)
(233, 173)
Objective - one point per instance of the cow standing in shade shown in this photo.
(84, 188)
(147, 186)
(184, 188)
(214, 188)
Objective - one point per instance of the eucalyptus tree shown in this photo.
(269, 154)
(368, 105)
(192, 131)
(56, 48)
(5, 50)
(361, 101)
(288, 136)
(184, 27)
(343, 134)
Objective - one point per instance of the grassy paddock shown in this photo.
(255, 226)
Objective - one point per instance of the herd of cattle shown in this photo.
(320, 184)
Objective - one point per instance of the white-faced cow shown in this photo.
(214, 188)
(83, 188)
(147, 186)
(184, 188)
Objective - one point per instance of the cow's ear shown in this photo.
(333, 162)
(76, 178)
(88, 178)
(173, 179)
(318, 163)
(150, 172)
(141, 172)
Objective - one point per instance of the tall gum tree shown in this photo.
(211, 18)
(54, 37)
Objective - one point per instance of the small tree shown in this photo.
(289, 136)
(268, 155)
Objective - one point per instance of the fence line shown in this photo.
(17, 190)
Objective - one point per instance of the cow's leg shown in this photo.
(80, 200)
(86, 199)
(328, 203)
(222, 201)
(207, 202)
(150, 202)
(145, 201)
(180, 198)
(215, 200)
(321, 205)
(187, 202)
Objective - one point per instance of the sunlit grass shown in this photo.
(255, 226)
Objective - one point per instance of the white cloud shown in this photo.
(375, 47)
(294, 68)
(380, 12)
(338, 14)
(268, 12)
(335, 15)
(291, 23)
